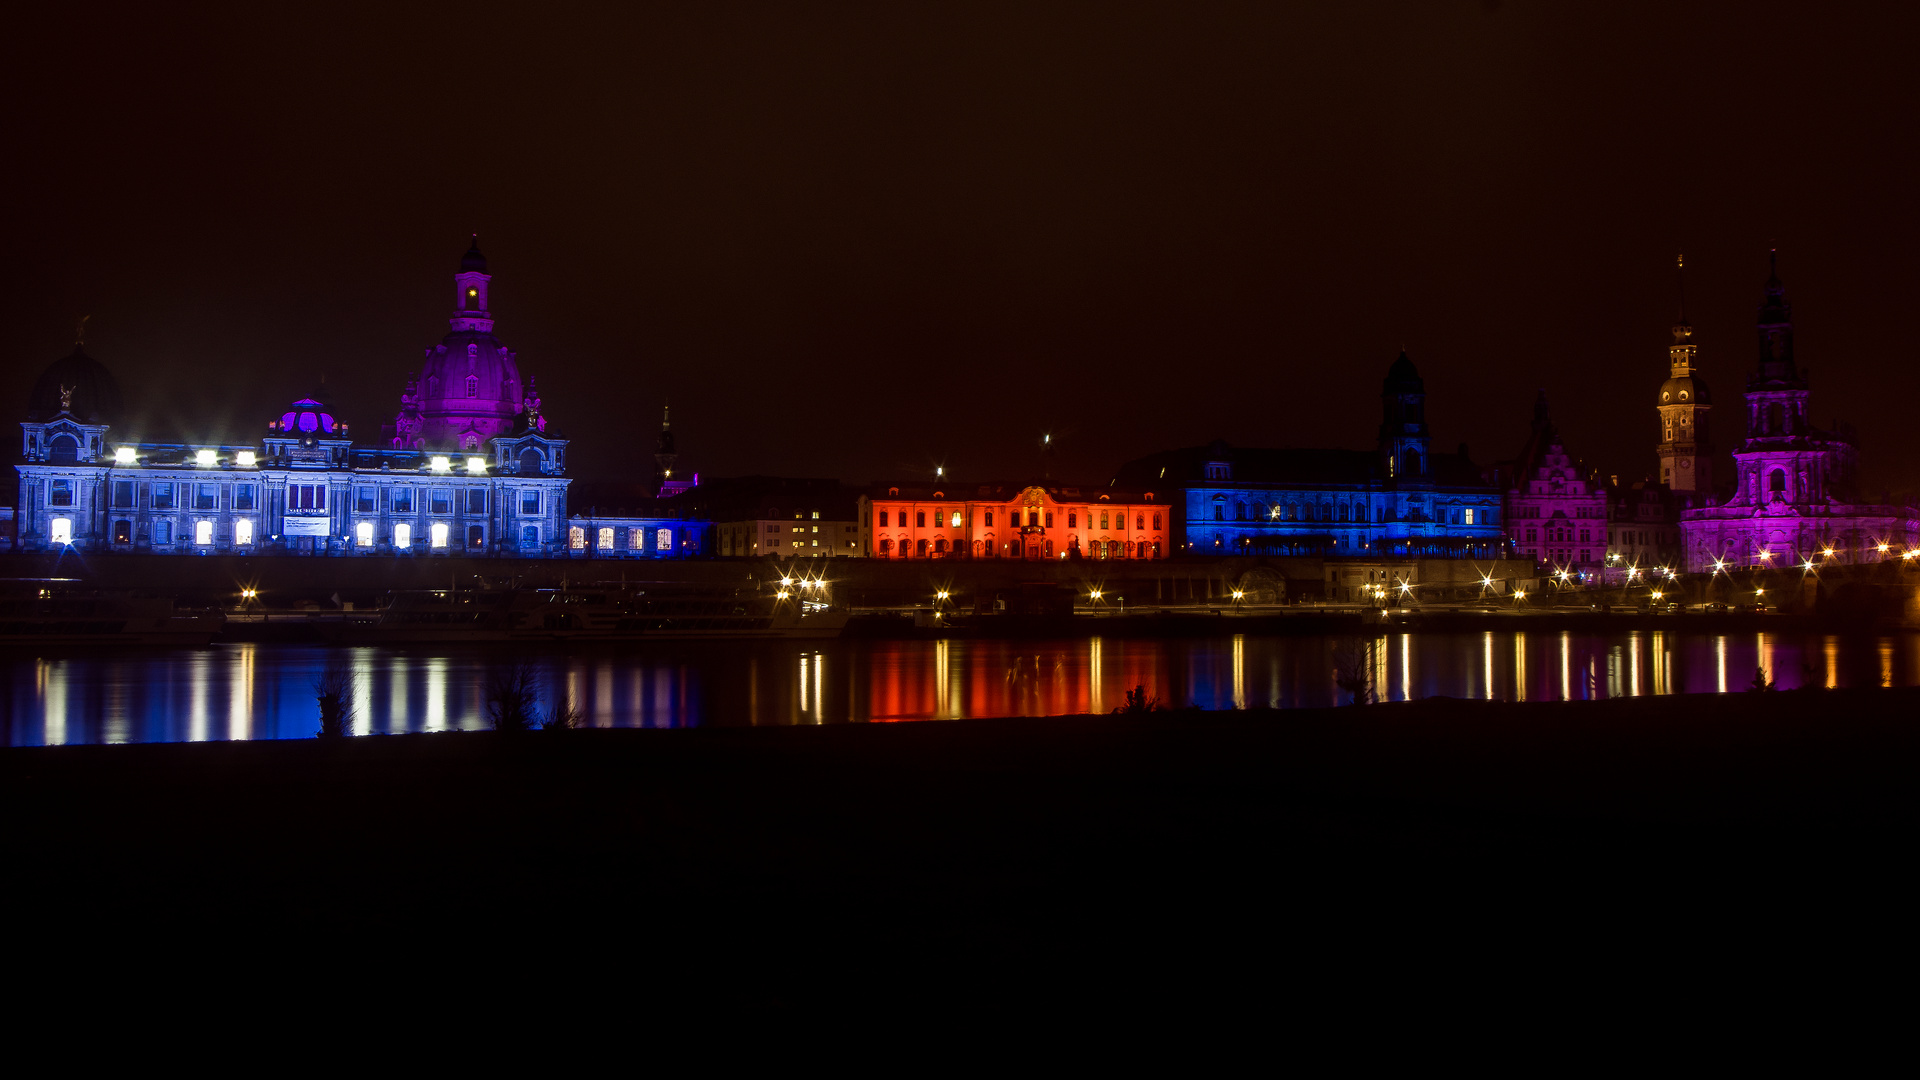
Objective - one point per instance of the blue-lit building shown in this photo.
(469, 465)
(1399, 499)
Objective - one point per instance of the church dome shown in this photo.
(92, 393)
(1685, 390)
(469, 382)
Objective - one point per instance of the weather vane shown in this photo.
(80, 330)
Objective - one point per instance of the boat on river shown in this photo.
(585, 615)
(67, 612)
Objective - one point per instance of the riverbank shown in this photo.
(760, 862)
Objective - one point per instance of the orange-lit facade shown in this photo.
(1011, 521)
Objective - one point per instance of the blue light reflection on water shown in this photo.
(265, 691)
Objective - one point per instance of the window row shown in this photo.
(179, 496)
(604, 539)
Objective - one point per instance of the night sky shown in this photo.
(858, 242)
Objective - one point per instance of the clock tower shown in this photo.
(1686, 442)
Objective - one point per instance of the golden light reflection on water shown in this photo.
(1486, 655)
(1520, 667)
(1239, 671)
(262, 691)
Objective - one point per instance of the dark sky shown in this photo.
(856, 242)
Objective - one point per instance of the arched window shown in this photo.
(530, 460)
(1777, 483)
(886, 548)
(473, 386)
(577, 538)
(940, 544)
(63, 450)
(1259, 511)
(921, 549)
(604, 538)
(203, 532)
(883, 519)
(1156, 521)
(471, 442)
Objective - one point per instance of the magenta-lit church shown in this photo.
(1795, 498)
(468, 466)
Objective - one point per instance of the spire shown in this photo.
(1775, 328)
(1680, 274)
(80, 331)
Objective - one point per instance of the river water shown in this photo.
(244, 691)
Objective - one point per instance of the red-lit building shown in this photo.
(1011, 521)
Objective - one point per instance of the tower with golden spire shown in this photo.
(1686, 441)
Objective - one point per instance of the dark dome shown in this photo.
(1685, 391)
(1403, 377)
(95, 393)
(473, 260)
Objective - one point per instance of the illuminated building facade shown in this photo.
(1399, 499)
(1794, 497)
(1643, 530)
(1012, 521)
(1556, 509)
(456, 474)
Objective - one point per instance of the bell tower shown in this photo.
(470, 310)
(1686, 442)
(1403, 423)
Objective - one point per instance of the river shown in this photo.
(248, 691)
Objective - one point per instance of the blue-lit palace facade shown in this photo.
(469, 466)
(1398, 499)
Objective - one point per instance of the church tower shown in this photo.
(1686, 441)
(1404, 437)
(664, 455)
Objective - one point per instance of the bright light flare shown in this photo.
(124, 456)
(205, 458)
(245, 459)
(441, 464)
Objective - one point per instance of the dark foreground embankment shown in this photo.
(1202, 856)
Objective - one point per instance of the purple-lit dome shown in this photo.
(473, 260)
(92, 393)
(470, 371)
(308, 417)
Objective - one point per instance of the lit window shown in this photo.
(1467, 516)
(123, 456)
(605, 539)
(577, 538)
(205, 458)
(403, 536)
(663, 540)
(203, 533)
(363, 533)
(245, 458)
(439, 534)
(441, 464)
(956, 519)
(61, 530)
(476, 464)
(243, 531)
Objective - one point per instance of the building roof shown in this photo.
(1004, 491)
(1284, 467)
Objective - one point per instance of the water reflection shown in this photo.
(264, 692)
